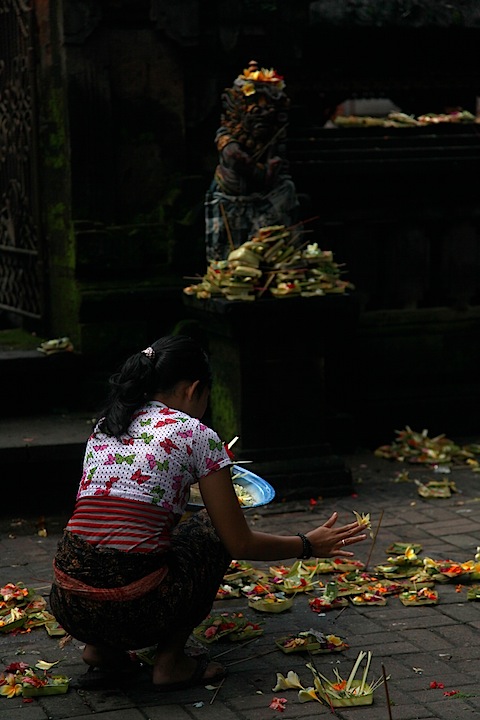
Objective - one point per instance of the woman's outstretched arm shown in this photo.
(244, 543)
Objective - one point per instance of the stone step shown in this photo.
(31, 382)
(35, 438)
(41, 460)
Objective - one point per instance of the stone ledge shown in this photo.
(34, 433)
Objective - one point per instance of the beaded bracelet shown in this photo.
(307, 547)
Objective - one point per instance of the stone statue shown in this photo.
(251, 187)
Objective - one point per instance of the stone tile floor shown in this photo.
(414, 646)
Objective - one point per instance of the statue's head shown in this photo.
(256, 106)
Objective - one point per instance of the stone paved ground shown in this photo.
(415, 646)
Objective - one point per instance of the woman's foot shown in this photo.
(175, 673)
(107, 658)
(107, 668)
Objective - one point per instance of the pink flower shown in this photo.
(13, 667)
(278, 704)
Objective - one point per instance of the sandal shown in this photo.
(197, 677)
(98, 679)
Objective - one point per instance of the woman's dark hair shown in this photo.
(158, 368)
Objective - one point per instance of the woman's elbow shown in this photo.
(240, 549)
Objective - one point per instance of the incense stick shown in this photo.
(374, 539)
(265, 287)
(227, 227)
(386, 692)
(217, 691)
(324, 701)
(252, 657)
(303, 222)
(338, 615)
(256, 156)
(225, 652)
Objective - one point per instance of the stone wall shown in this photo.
(144, 81)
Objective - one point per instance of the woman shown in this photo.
(128, 573)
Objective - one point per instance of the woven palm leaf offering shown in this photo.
(400, 548)
(422, 596)
(294, 584)
(445, 570)
(274, 602)
(238, 569)
(22, 679)
(328, 600)
(12, 620)
(369, 598)
(419, 580)
(408, 559)
(259, 584)
(473, 592)
(259, 589)
(474, 566)
(353, 582)
(339, 692)
(304, 568)
(418, 448)
(22, 609)
(319, 566)
(385, 587)
(400, 566)
(471, 570)
(242, 578)
(348, 587)
(227, 592)
(311, 641)
(341, 565)
(278, 571)
(436, 488)
(398, 572)
(292, 580)
(233, 626)
(272, 262)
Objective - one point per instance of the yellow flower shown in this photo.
(248, 89)
(11, 686)
(308, 694)
(410, 553)
(334, 639)
(287, 683)
(364, 519)
(268, 74)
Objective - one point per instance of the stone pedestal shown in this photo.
(270, 364)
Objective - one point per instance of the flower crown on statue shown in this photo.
(253, 75)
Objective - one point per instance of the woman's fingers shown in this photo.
(354, 539)
(352, 529)
(331, 520)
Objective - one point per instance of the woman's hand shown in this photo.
(244, 543)
(328, 540)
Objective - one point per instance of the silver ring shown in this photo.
(343, 542)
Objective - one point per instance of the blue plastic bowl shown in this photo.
(259, 489)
